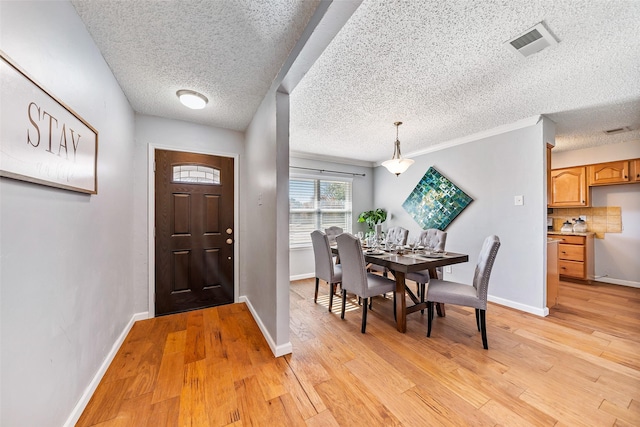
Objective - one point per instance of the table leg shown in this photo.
(401, 303)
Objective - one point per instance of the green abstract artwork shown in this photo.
(435, 201)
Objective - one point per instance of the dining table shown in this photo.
(406, 261)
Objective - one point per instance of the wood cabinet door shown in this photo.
(635, 172)
(569, 187)
(609, 173)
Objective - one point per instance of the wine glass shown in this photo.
(413, 244)
(360, 236)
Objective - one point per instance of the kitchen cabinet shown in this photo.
(576, 256)
(569, 187)
(635, 170)
(609, 173)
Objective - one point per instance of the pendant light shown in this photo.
(397, 164)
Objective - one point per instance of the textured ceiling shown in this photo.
(438, 66)
(228, 50)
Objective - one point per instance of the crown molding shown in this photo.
(331, 159)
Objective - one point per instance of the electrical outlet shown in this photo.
(447, 269)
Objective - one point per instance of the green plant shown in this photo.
(371, 218)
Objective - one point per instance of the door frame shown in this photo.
(151, 209)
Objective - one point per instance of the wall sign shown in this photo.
(42, 140)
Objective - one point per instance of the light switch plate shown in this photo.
(518, 200)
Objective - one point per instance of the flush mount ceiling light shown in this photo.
(397, 164)
(192, 99)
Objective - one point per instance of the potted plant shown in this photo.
(373, 217)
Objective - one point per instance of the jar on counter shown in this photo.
(567, 227)
(580, 226)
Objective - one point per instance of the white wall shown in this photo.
(175, 135)
(65, 257)
(492, 171)
(615, 255)
(301, 259)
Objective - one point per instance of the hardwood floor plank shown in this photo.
(193, 402)
(195, 343)
(170, 377)
(213, 367)
(626, 414)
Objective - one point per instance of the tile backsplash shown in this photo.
(600, 220)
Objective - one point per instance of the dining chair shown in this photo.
(396, 235)
(429, 238)
(332, 232)
(325, 269)
(355, 278)
(474, 295)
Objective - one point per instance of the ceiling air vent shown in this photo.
(531, 41)
(617, 130)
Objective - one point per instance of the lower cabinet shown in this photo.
(576, 257)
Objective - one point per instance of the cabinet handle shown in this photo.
(563, 252)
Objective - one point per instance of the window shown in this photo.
(196, 174)
(316, 204)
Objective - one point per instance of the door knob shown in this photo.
(229, 241)
(229, 231)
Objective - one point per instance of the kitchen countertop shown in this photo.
(560, 233)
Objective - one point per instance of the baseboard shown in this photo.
(620, 282)
(277, 350)
(519, 306)
(301, 276)
(86, 396)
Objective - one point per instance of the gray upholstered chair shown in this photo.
(332, 232)
(474, 295)
(355, 278)
(325, 269)
(396, 235)
(431, 238)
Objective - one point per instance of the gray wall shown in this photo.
(615, 255)
(264, 263)
(301, 259)
(492, 171)
(65, 257)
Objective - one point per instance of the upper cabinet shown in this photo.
(609, 173)
(635, 170)
(569, 187)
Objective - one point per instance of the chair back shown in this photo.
(322, 255)
(433, 238)
(354, 271)
(397, 235)
(484, 266)
(332, 232)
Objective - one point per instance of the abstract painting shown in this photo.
(435, 201)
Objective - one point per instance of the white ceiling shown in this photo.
(438, 66)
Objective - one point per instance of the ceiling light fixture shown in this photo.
(192, 99)
(397, 164)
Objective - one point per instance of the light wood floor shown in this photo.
(579, 366)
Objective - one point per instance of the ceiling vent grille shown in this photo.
(617, 130)
(531, 41)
